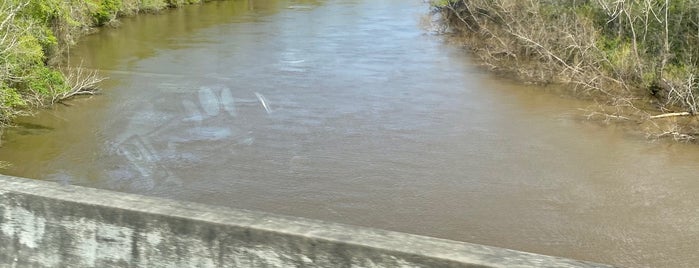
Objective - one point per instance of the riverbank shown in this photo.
(34, 38)
(636, 60)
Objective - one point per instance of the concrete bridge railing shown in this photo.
(43, 224)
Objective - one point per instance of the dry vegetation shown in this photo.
(637, 59)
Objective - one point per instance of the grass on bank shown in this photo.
(34, 37)
(638, 57)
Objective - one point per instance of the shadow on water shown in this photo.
(25, 128)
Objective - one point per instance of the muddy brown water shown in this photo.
(350, 111)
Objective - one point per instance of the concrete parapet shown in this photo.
(44, 224)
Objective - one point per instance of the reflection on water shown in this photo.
(347, 111)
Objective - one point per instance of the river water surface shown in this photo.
(349, 111)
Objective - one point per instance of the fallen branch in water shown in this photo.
(80, 82)
(670, 115)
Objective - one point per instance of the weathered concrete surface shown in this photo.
(44, 224)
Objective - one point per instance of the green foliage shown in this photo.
(10, 102)
(676, 71)
(10, 98)
(46, 82)
(36, 17)
(37, 31)
(441, 3)
(153, 5)
(176, 3)
(29, 51)
(42, 11)
(105, 10)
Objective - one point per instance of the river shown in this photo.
(350, 111)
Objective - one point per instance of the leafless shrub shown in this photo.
(619, 52)
(541, 48)
(79, 81)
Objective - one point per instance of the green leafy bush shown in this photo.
(37, 32)
(105, 10)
